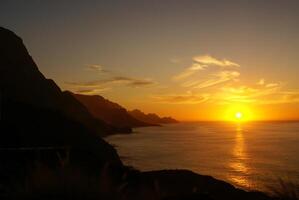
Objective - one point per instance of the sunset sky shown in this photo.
(193, 60)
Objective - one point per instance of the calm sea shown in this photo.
(249, 155)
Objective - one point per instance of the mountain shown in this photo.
(110, 112)
(151, 117)
(21, 81)
(34, 112)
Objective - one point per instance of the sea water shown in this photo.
(249, 155)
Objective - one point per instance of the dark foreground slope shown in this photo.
(151, 117)
(110, 112)
(184, 185)
(50, 146)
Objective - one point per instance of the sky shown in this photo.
(191, 59)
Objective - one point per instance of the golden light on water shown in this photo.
(238, 164)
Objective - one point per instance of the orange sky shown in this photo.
(193, 60)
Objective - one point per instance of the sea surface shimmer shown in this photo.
(250, 155)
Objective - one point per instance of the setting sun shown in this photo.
(239, 115)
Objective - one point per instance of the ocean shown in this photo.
(249, 155)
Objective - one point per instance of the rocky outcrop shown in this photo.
(110, 112)
(151, 117)
(184, 184)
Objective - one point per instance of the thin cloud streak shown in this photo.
(117, 80)
(98, 68)
(209, 60)
(92, 91)
(181, 98)
(203, 62)
(272, 93)
(220, 77)
(190, 71)
(94, 87)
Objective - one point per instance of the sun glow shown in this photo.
(238, 113)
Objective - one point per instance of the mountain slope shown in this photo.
(21, 81)
(151, 117)
(110, 112)
(34, 112)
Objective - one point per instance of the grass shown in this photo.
(285, 190)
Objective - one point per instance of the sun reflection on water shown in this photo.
(238, 165)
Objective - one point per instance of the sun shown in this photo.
(239, 115)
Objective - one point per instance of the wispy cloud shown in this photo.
(201, 63)
(260, 94)
(187, 98)
(117, 80)
(98, 68)
(220, 77)
(133, 82)
(209, 60)
(271, 85)
(190, 71)
(257, 94)
(261, 81)
(112, 80)
(92, 91)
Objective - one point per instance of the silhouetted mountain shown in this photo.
(151, 117)
(110, 112)
(20, 80)
(35, 112)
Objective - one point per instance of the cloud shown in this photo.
(261, 82)
(112, 80)
(291, 96)
(282, 97)
(220, 77)
(92, 91)
(190, 71)
(257, 94)
(271, 85)
(187, 98)
(117, 80)
(261, 94)
(209, 60)
(132, 82)
(98, 68)
(83, 84)
(203, 62)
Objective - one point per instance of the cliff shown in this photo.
(151, 117)
(110, 112)
(21, 81)
(34, 111)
